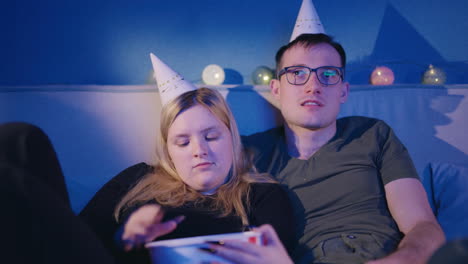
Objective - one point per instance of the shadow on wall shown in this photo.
(402, 48)
(232, 76)
(253, 112)
(75, 129)
(414, 114)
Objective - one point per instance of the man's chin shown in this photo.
(312, 125)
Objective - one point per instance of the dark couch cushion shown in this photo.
(447, 187)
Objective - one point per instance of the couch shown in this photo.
(100, 130)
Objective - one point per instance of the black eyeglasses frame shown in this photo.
(285, 69)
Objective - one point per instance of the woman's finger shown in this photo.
(127, 244)
(234, 255)
(269, 235)
(157, 211)
(242, 246)
(164, 228)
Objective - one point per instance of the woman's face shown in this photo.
(200, 147)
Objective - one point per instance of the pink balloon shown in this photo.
(382, 76)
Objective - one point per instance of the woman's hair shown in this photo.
(164, 185)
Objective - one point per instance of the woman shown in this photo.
(202, 183)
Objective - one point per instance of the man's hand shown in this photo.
(240, 252)
(144, 225)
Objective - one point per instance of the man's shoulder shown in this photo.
(361, 123)
(360, 120)
(263, 138)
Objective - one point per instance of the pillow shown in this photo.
(449, 184)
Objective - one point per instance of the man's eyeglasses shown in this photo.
(299, 75)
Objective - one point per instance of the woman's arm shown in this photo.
(144, 225)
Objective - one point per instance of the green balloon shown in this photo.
(262, 75)
(434, 76)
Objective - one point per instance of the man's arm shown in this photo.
(409, 207)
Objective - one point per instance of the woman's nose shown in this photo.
(200, 148)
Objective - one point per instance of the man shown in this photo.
(356, 192)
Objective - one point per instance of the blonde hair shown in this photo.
(165, 186)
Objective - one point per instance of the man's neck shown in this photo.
(302, 142)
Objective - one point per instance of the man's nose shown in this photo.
(313, 85)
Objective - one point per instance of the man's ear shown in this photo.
(275, 88)
(344, 92)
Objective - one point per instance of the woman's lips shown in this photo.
(203, 165)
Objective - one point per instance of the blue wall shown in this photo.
(108, 41)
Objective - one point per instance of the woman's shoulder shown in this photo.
(263, 190)
(124, 180)
(112, 192)
(139, 167)
(132, 174)
(265, 185)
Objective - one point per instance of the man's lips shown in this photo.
(311, 103)
(203, 164)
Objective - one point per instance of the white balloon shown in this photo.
(213, 74)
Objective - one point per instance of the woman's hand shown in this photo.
(239, 252)
(144, 225)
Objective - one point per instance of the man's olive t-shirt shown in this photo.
(340, 189)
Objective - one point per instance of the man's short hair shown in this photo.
(308, 40)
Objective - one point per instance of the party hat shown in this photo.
(307, 22)
(170, 83)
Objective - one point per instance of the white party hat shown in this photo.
(170, 83)
(307, 22)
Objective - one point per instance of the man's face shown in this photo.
(311, 105)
